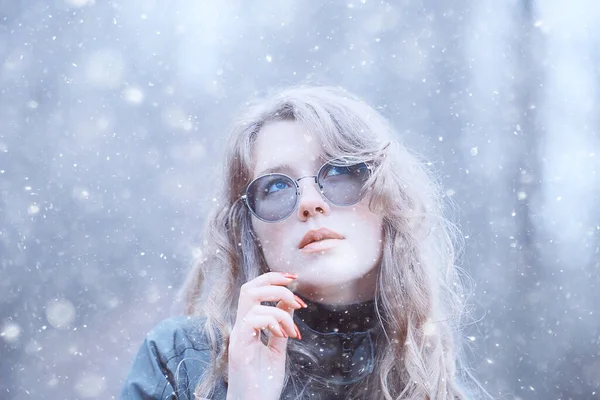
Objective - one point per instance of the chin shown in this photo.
(330, 270)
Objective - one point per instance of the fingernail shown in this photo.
(298, 334)
(283, 332)
(290, 276)
(300, 301)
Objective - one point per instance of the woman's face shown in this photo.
(332, 271)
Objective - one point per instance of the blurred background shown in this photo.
(112, 123)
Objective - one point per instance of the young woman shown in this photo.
(328, 269)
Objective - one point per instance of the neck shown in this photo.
(356, 291)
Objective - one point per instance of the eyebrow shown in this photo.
(275, 169)
(288, 168)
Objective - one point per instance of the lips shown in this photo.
(316, 235)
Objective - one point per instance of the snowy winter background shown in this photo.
(113, 114)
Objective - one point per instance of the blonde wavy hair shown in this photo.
(420, 295)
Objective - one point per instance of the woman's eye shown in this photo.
(276, 186)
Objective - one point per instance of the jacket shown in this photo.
(174, 355)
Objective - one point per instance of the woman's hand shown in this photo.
(257, 371)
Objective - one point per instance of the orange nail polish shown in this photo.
(298, 334)
(290, 276)
(300, 301)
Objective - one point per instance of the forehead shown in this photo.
(287, 143)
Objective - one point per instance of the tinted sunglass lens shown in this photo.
(343, 184)
(272, 197)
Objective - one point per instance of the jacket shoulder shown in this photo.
(175, 335)
(170, 361)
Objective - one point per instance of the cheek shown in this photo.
(272, 237)
(368, 231)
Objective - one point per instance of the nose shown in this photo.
(311, 201)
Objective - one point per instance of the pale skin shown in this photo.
(336, 271)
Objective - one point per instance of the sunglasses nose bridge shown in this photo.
(314, 179)
(307, 176)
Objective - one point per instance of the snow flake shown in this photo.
(10, 332)
(60, 313)
(133, 95)
(80, 3)
(33, 209)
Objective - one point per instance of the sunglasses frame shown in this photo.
(244, 197)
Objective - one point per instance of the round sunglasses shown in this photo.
(274, 197)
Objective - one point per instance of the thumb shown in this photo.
(276, 343)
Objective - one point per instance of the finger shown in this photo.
(271, 278)
(278, 344)
(282, 316)
(290, 312)
(274, 294)
(251, 296)
(255, 323)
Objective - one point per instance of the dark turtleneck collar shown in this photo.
(325, 318)
(342, 339)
